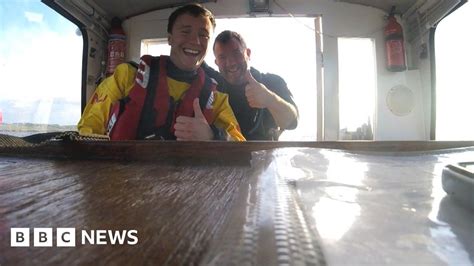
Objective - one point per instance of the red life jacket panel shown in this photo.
(130, 117)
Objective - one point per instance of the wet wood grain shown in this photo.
(154, 187)
(177, 210)
(214, 152)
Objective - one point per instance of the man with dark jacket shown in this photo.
(262, 103)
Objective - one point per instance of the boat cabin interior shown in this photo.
(377, 172)
(391, 105)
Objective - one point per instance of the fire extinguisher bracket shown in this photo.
(394, 45)
(116, 47)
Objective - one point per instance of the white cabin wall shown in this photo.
(338, 20)
(146, 26)
(415, 125)
(425, 68)
(343, 20)
(95, 61)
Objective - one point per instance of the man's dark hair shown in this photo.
(192, 9)
(225, 37)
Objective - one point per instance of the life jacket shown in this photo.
(149, 111)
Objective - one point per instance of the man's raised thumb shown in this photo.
(197, 109)
(249, 77)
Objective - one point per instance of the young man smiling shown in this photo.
(167, 97)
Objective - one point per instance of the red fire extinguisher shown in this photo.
(394, 45)
(116, 47)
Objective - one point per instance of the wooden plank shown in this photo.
(176, 210)
(207, 152)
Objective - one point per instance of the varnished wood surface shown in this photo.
(207, 152)
(176, 209)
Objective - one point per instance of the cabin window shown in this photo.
(288, 50)
(40, 65)
(454, 76)
(155, 47)
(356, 88)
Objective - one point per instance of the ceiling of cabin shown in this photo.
(128, 8)
(402, 5)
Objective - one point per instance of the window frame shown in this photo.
(85, 46)
(432, 52)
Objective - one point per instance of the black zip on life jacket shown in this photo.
(149, 111)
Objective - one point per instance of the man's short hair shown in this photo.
(192, 9)
(225, 36)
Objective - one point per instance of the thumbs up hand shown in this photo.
(193, 128)
(258, 96)
(197, 111)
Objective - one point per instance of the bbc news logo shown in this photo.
(66, 237)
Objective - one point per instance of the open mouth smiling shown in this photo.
(233, 70)
(191, 52)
